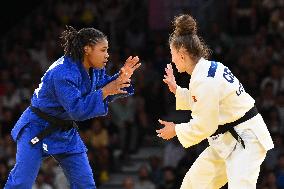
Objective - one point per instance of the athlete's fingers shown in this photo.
(128, 59)
(168, 77)
(133, 61)
(166, 81)
(159, 131)
(170, 66)
(160, 134)
(121, 91)
(124, 85)
(136, 66)
(169, 73)
(163, 122)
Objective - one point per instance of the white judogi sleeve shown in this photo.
(182, 99)
(205, 113)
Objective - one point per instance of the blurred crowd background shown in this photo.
(245, 35)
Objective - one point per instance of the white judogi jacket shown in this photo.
(216, 97)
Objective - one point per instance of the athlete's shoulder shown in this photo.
(204, 69)
(207, 72)
(64, 67)
(55, 65)
(212, 68)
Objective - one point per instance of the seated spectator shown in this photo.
(269, 181)
(170, 181)
(41, 183)
(128, 183)
(144, 182)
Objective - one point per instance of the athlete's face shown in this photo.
(178, 58)
(96, 56)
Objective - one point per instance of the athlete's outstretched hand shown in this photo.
(170, 79)
(130, 65)
(116, 86)
(168, 131)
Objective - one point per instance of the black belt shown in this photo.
(230, 126)
(55, 124)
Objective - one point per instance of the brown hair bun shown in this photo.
(184, 25)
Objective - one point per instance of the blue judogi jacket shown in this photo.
(67, 92)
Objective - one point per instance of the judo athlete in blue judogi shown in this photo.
(74, 88)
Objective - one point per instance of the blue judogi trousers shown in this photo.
(75, 165)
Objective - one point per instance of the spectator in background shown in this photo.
(135, 37)
(98, 135)
(11, 98)
(266, 99)
(272, 156)
(41, 183)
(269, 181)
(3, 171)
(60, 181)
(280, 109)
(279, 171)
(173, 153)
(144, 181)
(275, 78)
(123, 116)
(169, 179)
(156, 171)
(99, 150)
(128, 183)
(8, 120)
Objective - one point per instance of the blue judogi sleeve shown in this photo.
(80, 107)
(104, 79)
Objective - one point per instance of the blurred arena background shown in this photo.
(124, 152)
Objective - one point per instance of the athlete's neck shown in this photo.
(86, 65)
(190, 67)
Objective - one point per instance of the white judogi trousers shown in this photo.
(240, 167)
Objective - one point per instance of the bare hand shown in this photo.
(170, 79)
(130, 65)
(168, 131)
(116, 86)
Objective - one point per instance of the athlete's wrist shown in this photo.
(104, 92)
(175, 89)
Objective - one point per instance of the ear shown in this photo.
(183, 54)
(87, 49)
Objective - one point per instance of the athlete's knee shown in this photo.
(82, 182)
(187, 181)
(20, 178)
(242, 183)
(18, 183)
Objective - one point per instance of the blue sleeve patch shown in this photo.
(212, 69)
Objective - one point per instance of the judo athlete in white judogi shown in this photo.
(222, 112)
(74, 88)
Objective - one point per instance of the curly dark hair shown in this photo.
(185, 35)
(73, 41)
